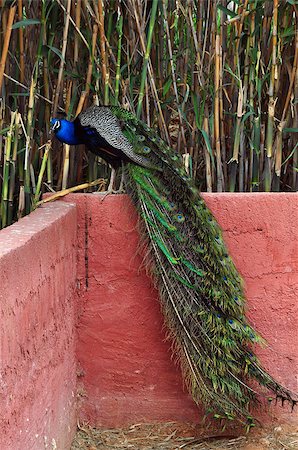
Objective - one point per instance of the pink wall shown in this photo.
(83, 262)
(126, 371)
(37, 330)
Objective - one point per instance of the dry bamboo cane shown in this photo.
(105, 72)
(271, 103)
(243, 158)
(222, 117)
(21, 42)
(62, 60)
(100, 181)
(41, 172)
(29, 135)
(151, 78)
(216, 115)
(66, 147)
(85, 92)
(78, 22)
(12, 12)
(173, 74)
(283, 121)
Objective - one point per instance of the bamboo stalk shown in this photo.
(117, 78)
(7, 36)
(146, 56)
(105, 72)
(151, 79)
(5, 186)
(29, 134)
(41, 172)
(62, 60)
(272, 100)
(78, 7)
(21, 42)
(207, 158)
(216, 115)
(13, 163)
(173, 73)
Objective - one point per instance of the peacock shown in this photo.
(201, 292)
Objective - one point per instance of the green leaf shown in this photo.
(207, 142)
(227, 11)
(3, 131)
(288, 32)
(290, 130)
(55, 50)
(166, 87)
(25, 23)
(246, 115)
(291, 154)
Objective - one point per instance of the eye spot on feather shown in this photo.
(146, 150)
(174, 158)
(172, 206)
(218, 316)
(179, 218)
(141, 137)
(233, 324)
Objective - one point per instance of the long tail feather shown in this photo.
(200, 289)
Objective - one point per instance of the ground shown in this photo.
(173, 436)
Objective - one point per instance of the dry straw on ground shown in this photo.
(173, 436)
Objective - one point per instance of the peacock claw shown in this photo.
(111, 189)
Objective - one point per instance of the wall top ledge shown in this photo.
(20, 233)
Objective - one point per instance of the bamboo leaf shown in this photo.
(290, 130)
(25, 23)
(227, 11)
(207, 142)
(54, 50)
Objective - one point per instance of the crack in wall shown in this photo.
(86, 256)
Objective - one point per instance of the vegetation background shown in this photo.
(218, 79)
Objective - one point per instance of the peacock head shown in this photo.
(64, 130)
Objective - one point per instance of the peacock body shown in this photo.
(200, 289)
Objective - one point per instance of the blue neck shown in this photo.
(66, 133)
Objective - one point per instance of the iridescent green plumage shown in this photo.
(200, 289)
